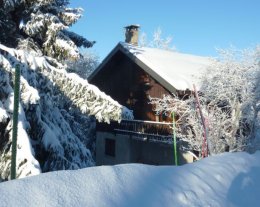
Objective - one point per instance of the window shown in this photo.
(110, 147)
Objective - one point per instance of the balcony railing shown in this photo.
(141, 130)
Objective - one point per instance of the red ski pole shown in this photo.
(205, 138)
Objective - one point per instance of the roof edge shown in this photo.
(146, 68)
(106, 59)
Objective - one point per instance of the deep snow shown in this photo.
(229, 179)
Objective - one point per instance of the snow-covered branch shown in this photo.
(52, 105)
(42, 25)
(230, 102)
(157, 41)
(85, 65)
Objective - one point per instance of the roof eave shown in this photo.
(104, 62)
(146, 68)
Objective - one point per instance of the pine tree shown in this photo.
(54, 129)
(41, 26)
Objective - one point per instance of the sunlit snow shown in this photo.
(174, 69)
(21, 25)
(229, 179)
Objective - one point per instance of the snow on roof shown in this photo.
(133, 25)
(229, 179)
(174, 70)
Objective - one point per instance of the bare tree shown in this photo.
(188, 128)
(229, 99)
(85, 65)
(158, 41)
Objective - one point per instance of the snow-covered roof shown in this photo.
(174, 70)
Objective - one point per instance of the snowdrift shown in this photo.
(229, 179)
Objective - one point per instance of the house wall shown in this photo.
(130, 85)
(122, 150)
(130, 150)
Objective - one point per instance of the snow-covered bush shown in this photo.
(229, 99)
(187, 121)
(229, 88)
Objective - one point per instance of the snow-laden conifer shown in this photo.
(51, 99)
(54, 126)
(41, 25)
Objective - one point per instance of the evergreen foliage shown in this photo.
(54, 126)
(41, 26)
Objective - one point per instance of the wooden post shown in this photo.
(15, 120)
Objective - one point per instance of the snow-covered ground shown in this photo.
(229, 179)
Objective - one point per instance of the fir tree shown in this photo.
(41, 26)
(54, 129)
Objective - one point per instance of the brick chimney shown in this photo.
(131, 34)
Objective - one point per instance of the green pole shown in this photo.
(15, 120)
(174, 139)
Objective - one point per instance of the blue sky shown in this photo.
(197, 26)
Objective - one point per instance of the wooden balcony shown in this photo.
(141, 130)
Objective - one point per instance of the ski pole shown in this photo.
(174, 140)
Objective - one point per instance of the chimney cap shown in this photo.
(132, 26)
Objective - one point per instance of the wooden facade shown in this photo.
(126, 82)
(148, 138)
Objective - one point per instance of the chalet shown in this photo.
(130, 74)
